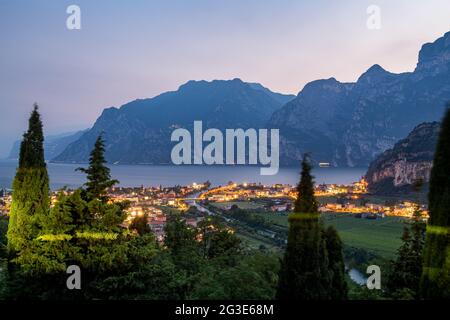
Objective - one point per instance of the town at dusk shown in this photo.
(219, 159)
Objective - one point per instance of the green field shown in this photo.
(241, 204)
(254, 241)
(381, 236)
(396, 199)
(275, 218)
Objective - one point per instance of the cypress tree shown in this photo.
(306, 202)
(304, 273)
(30, 199)
(98, 174)
(436, 268)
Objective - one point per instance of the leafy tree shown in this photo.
(435, 281)
(98, 174)
(403, 281)
(223, 243)
(126, 279)
(405, 272)
(179, 235)
(357, 292)
(140, 225)
(50, 250)
(84, 229)
(418, 232)
(253, 277)
(30, 199)
(217, 240)
(181, 242)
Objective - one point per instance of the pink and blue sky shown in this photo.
(136, 49)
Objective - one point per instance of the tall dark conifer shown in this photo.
(336, 267)
(98, 174)
(400, 280)
(304, 273)
(436, 269)
(30, 199)
(306, 201)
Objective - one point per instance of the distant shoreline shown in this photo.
(186, 165)
(64, 174)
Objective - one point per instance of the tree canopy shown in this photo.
(312, 267)
(436, 268)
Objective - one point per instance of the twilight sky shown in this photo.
(136, 49)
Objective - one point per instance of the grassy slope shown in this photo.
(241, 204)
(381, 236)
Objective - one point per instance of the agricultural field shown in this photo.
(279, 219)
(256, 241)
(381, 236)
(241, 204)
(380, 199)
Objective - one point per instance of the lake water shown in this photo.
(151, 175)
(357, 277)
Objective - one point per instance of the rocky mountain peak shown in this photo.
(197, 84)
(435, 57)
(139, 131)
(374, 74)
(345, 124)
(329, 85)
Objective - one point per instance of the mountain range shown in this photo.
(53, 144)
(348, 124)
(345, 124)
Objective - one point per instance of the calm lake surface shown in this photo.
(153, 175)
(357, 277)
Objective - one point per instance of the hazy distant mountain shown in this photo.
(348, 124)
(53, 144)
(411, 159)
(139, 131)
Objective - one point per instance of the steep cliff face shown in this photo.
(408, 161)
(348, 124)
